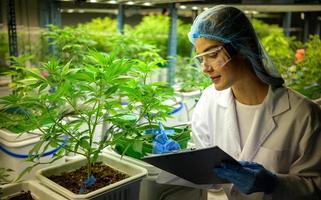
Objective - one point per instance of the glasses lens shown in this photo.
(222, 58)
(215, 58)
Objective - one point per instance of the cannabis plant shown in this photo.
(75, 101)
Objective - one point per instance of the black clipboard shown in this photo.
(194, 165)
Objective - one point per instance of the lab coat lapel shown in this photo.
(230, 137)
(276, 102)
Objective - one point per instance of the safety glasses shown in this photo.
(216, 57)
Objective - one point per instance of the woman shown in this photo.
(250, 115)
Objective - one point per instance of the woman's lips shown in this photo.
(215, 79)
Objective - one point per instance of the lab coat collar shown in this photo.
(225, 98)
(277, 101)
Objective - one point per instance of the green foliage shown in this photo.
(127, 46)
(4, 49)
(138, 148)
(73, 43)
(100, 30)
(16, 69)
(69, 43)
(190, 77)
(100, 25)
(303, 76)
(22, 122)
(154, 30)
(74, 99)
(306, 75)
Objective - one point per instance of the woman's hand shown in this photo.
(248, 177)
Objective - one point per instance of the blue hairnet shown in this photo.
(230, 25)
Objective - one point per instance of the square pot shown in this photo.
(38, 191)
(151, 190)
(127, 189)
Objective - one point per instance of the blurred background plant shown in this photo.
(68, 43)
(306, 73)
(277, 45)
(302, 76)
(148, 40)
(153, 30)
(3, 52)
(188, 76)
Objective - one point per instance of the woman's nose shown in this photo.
(207, 68)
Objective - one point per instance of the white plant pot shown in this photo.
(151, 170)
(73, 157)
(17, 137)
(127, 189)
(178, 115)
(151, 190)
(189, 102)
(38, 191)
(157, 75)
(13, 156)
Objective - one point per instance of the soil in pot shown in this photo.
(104, 175)
(22, 196)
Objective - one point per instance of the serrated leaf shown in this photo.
(138, 146)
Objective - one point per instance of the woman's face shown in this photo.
(221, 70)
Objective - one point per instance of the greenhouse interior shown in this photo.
(160, 99)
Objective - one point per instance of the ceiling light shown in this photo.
(70, 10)
(182, 7)
(93, 1)
(205, 8)
(130, 3)
(147, 4)
(194, 8)
(302, 16)
(81, 11)
(112, 2)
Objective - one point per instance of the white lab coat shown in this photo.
(285, 138)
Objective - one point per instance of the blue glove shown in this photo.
(249, 177)
(158, 131)
(162, 144)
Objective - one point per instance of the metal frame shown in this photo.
(12, 28)
(172, 44)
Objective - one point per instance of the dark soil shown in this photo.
(104, 176)
(23, 196)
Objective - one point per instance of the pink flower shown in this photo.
(45, 73)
